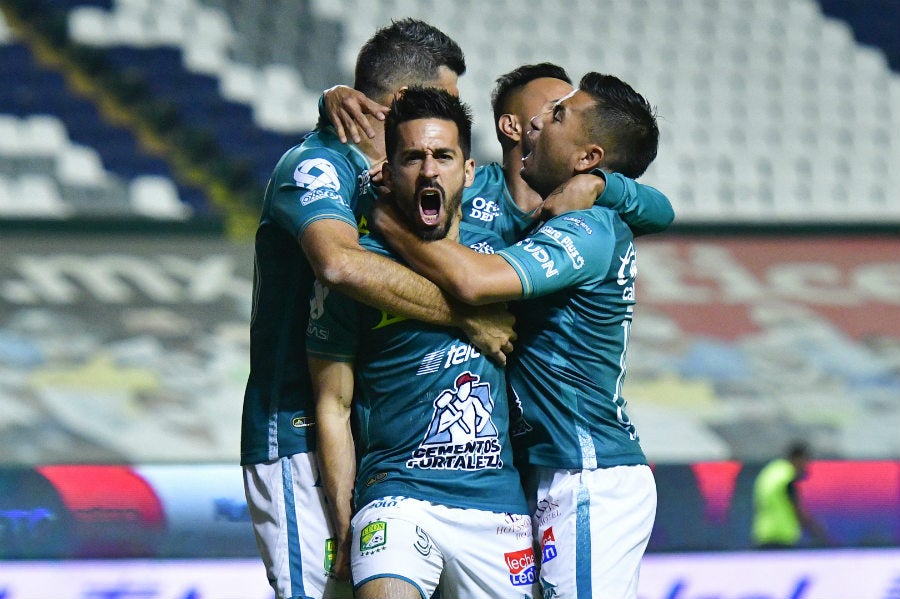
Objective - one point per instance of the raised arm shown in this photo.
(339, 262)
(643, 208)
(333, 388)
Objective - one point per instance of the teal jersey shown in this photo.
(318, 179)
(431, 411)
(488, 203)
(578, 275)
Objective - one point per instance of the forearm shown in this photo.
(384, 284)
(643, 208)
(337, 465)
(340, 263)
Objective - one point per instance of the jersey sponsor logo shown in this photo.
(317, 300)
(519, 526)
(363, 182)
(546, 511)
(423, 544)
(315, 173)
(303, 421)
(484, 210)
(540, 254)
(566, 243)
(373, 537)
(309, 197)
(548, 546)
(381, 504)
(388, 319)
(579, 222)
(375, 479)
(627, 273)
(461, 434)
(482, 247)
(445, 358)
(521, 567)
(518, 425)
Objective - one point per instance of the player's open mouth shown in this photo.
(430, 202)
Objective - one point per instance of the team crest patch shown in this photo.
(315, 173)
(461, 434)
(373, 537)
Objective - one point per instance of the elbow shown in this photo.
(468, 291)
(334, 271)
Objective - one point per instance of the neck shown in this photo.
(374, 148)
(525, 198)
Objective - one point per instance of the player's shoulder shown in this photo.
(481, 239)
(487, 177)
(591, 221)
(319, 160)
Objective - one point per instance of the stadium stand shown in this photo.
(771, 113)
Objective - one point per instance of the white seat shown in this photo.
(37, 196)
(81, 166)
(44, 134)
(90, 25)
(239, 82)
(157, 197)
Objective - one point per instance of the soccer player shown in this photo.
(500, 199)
(439, 500)
(593, 490)
(314, 207)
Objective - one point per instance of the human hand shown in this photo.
(578, 193)
(490, 329)
(347, 109)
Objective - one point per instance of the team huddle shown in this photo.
(434, 407)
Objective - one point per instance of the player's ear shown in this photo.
(387, 175)
(399, 93)
(591, 158)
(509, 125)
(470, 172)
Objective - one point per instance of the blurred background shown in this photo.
(136, 138)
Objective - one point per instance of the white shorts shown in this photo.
(470, 553)
(592, 527)
(293, 532)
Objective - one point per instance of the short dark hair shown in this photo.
(519, 78)
(406, 52)
(799, 450)
(624, 122)
(428, 103)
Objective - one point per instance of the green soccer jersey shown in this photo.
(431, 411)
(488, 203)
(578, 276)
(319, 179)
